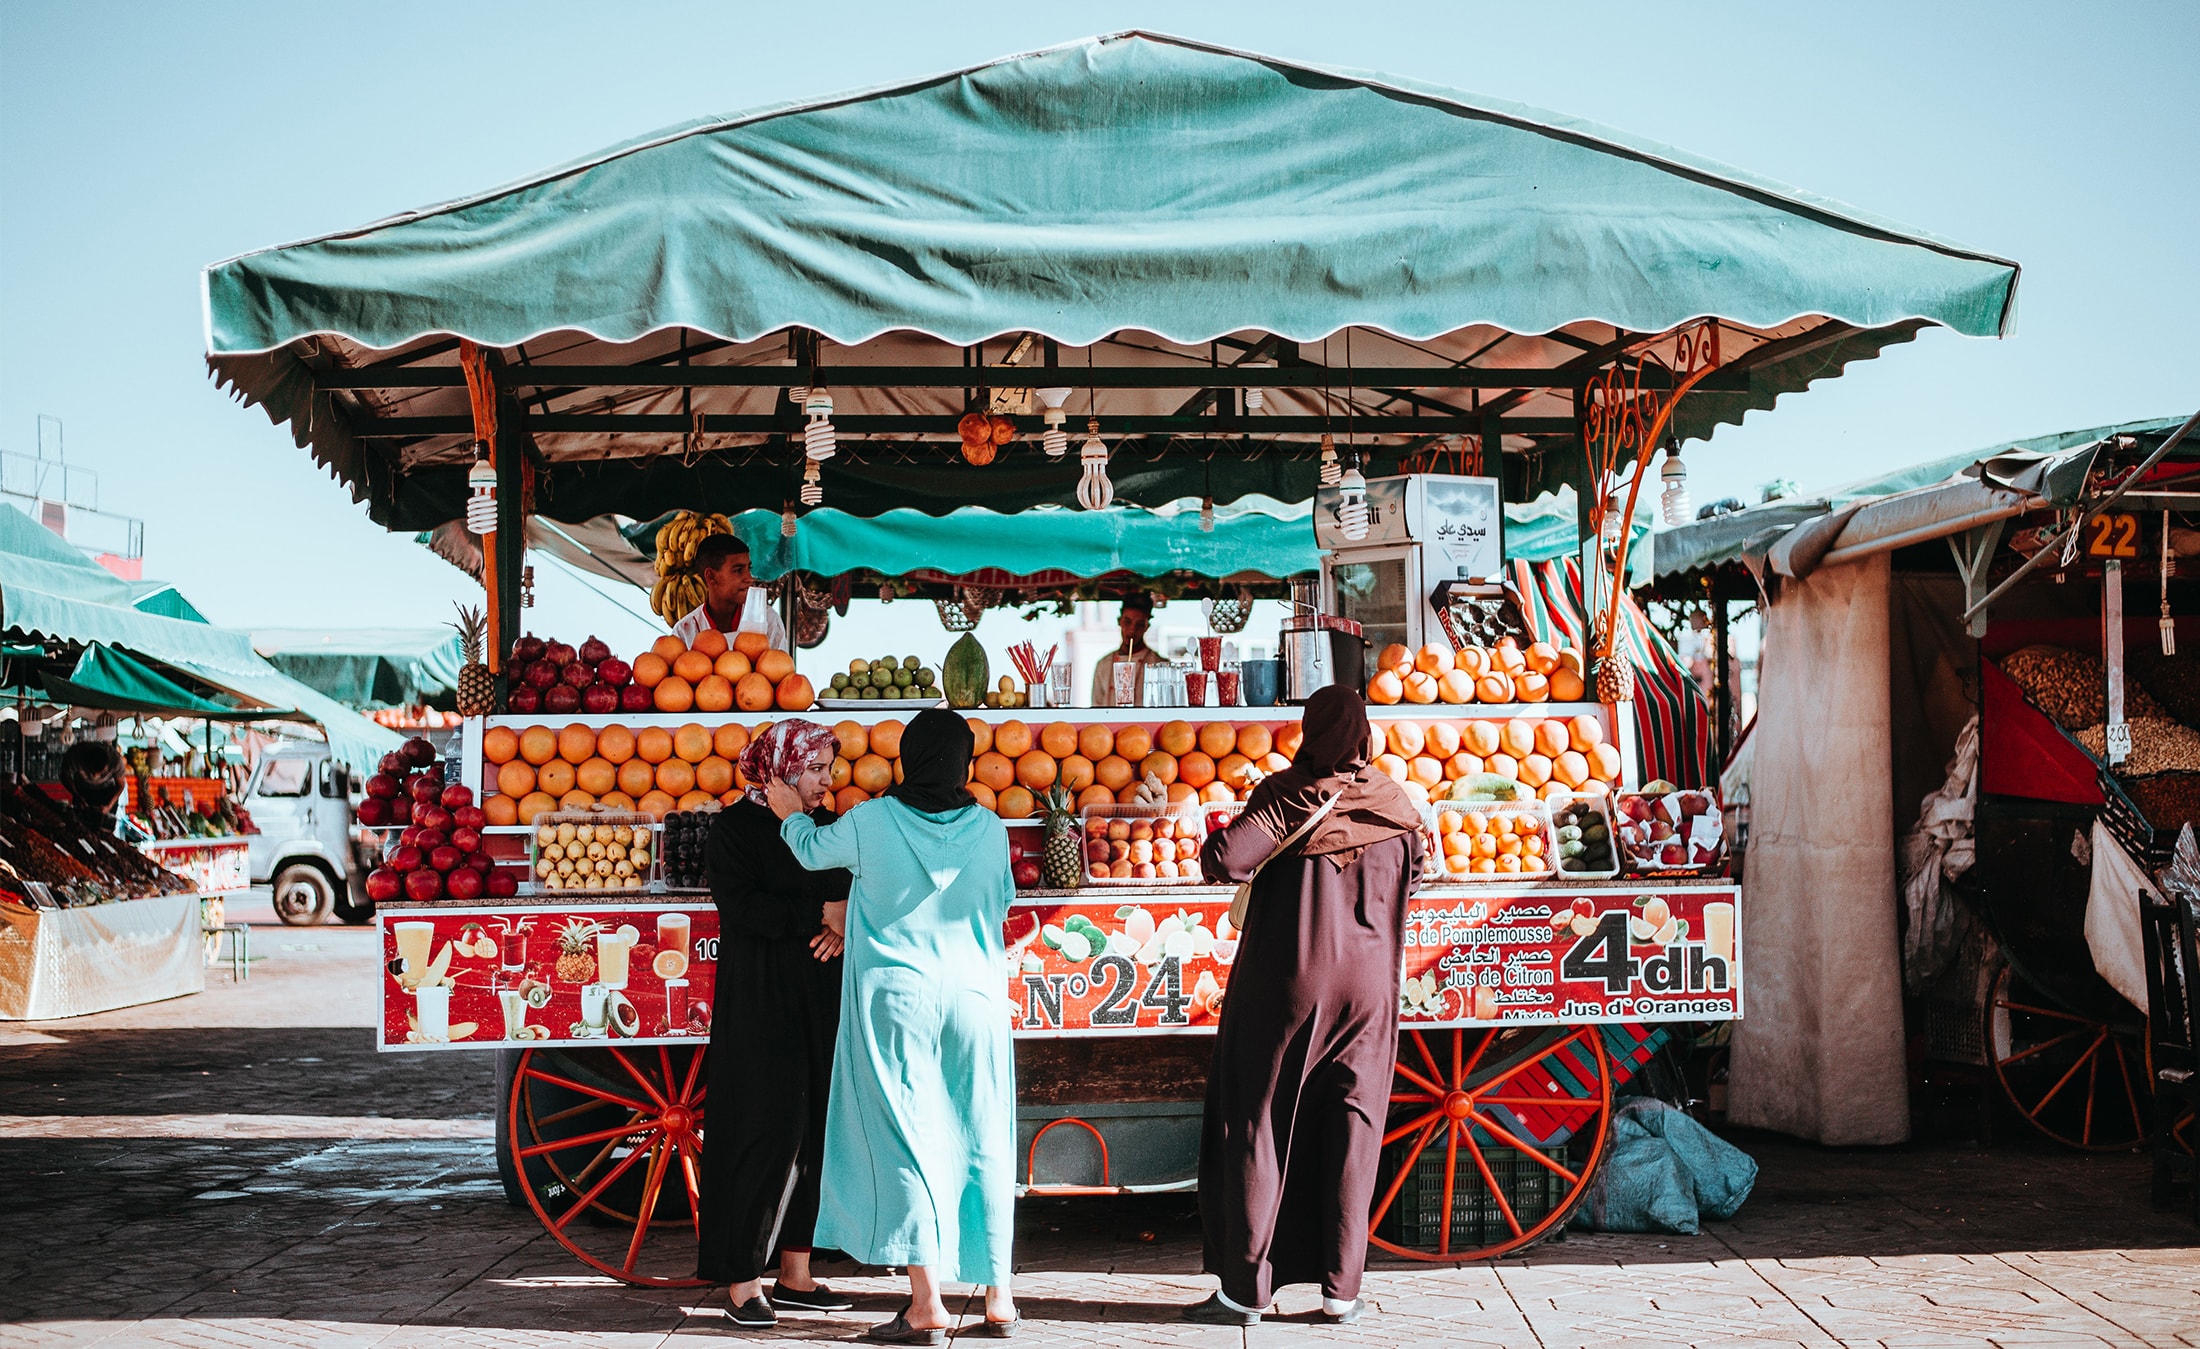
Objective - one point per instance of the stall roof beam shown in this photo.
(1372, 378)
(721, 424)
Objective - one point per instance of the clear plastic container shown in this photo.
(1513, 838)
(1670, 834)
(593, 852)
(1598, 859)
(1181, 825)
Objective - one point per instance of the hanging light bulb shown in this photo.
(786, 522)
(1673, 501)
(481, 503)
(1094, 491)
(813, 491)
(1615, 506)
(1352, 505)
(1332, 472)
(1054, 440)
(1206, 515)
(1255, 394)
(818, 440)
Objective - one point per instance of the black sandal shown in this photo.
(899, 1331)
(999, 1330)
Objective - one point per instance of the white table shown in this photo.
(68, 962)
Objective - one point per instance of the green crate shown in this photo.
(1415, 1218)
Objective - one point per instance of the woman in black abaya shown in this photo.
(1300, 1084)
(774, 1018)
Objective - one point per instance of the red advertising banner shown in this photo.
(1614, 953)
(1473, 957)
(462, 978)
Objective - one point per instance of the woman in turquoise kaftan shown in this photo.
(920, 1137)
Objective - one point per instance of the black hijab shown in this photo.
(1333, 762)
(935, 763)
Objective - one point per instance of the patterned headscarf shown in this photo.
(782, 752)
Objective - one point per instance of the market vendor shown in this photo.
(723, 560)
(1132, 622)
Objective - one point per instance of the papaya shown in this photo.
(965, 674)
(1488, 787)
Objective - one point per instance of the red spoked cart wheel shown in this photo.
(609, 1144)
(2083, 1082)
(1521, 1115)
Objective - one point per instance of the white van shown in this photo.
(307, 850)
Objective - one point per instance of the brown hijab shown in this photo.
(1333, 761)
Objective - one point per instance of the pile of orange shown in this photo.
(748, 674)
(1547, 754)
(653, 769)
(1505, 673)
(1491, 842)
(1103, 764)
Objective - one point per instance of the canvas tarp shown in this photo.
(366, 667)
(1820, 1054)
(111, 678)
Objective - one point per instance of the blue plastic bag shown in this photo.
(1662, 1172)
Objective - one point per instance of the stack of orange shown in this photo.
(1505, 673)
(539, 769)
(1492, 842)
(714, 675)
(1548, 754)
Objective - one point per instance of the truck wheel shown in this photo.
(302, 894)
(354, 914)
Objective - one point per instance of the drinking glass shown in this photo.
(1058, 684)
(1210, 653)
(1229, 682)
(1128, 683)
(1195, 688)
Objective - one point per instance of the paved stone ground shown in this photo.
(359, 1205)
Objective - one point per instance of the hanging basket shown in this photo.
(810, 625)
(1229, 615)
(954, 617)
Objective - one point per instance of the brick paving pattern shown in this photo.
(241, 1169)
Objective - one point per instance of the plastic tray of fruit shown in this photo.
(594, 851)
(1581, 830)
(1667, 831)
(1475, 843)
(1143, 845)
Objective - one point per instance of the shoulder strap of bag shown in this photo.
(1243, 899)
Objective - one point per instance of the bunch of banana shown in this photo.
(679, 589)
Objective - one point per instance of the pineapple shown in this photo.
(1614, 673)
(577, 951)
(1064, 861)
(476, 686)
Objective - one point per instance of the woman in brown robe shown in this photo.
(1300, 1084)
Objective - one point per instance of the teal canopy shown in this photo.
(366, 667)
(2049, 471)
(1138, 196)
(111, 678)
(51, 591)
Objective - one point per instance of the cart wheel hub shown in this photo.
(1458, 1105)
(679, 1118)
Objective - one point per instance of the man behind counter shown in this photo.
(1136, 617)
(723, 561)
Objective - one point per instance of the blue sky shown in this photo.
(140, 142)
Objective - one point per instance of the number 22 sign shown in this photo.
(2115, 535)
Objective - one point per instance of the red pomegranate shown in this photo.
(542, 674)
(456, 795)
(562, 698)
(527, 649)
(502, 884)
(446, 858)
(423, 885)
(635, 698)
(407, 857)
(418, 752)
(593, 651)
(580, 674)
(599, 698)
(469, 817)
(401, 810)
(479, 861)
(463, 883)
(466, 840)
(422, 789)
(393, 763)
(524, 698)
(372, 811)
(559, 654)
(615, 672)
(384, 786)
(385, 884)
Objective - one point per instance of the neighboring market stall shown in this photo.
(1917, 686)
(94, 922)
(1490, 300)
(368, 668)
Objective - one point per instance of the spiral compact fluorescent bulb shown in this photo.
(1332, 472)
(786, 523)
(818, 440)
(813, 491)
(1352, 505)
(1673, 501)
(1255, 395)
(1094, 491)
(1054, 440)
(481, 505)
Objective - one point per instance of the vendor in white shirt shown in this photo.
(1131, 623)
(723, 561)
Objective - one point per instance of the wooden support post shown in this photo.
(1722, 693)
